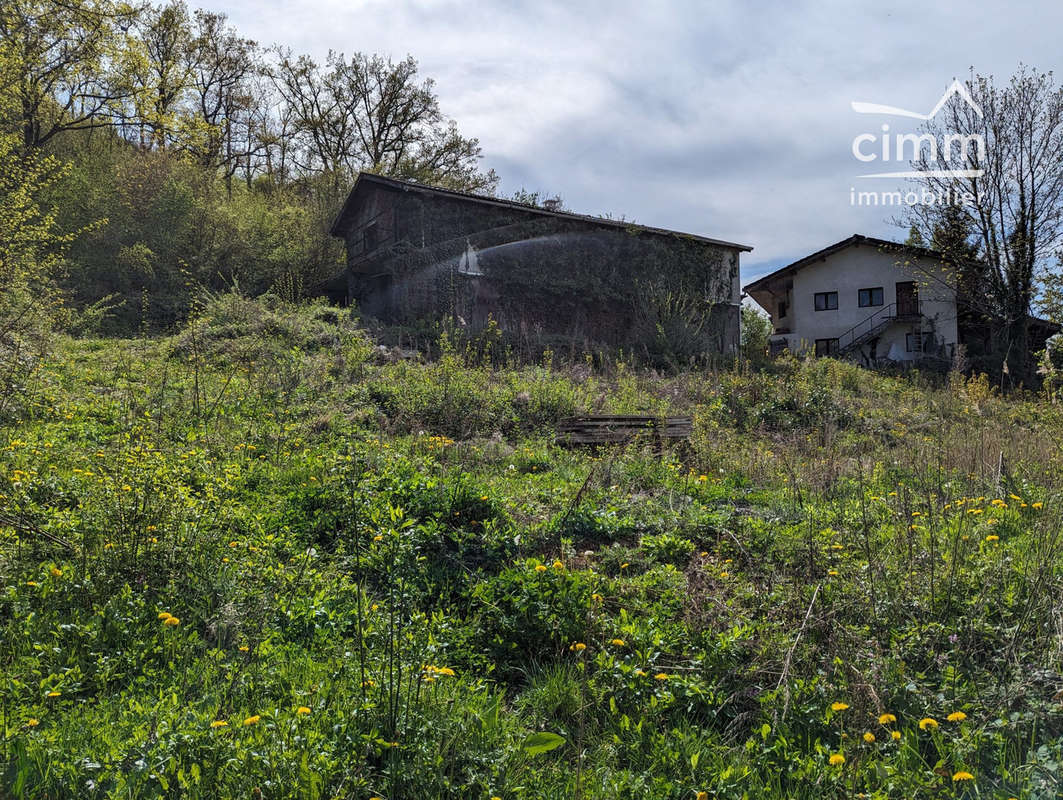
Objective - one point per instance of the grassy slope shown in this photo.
(382, 573)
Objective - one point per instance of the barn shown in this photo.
(545, 277)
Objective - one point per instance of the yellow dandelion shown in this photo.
(302, 711)
(895, 735)
(164, 615)
(1037, 505)
(625, 565)
(661, 676)
(171, 622)
(32, 583)
(219, 723)
(962, 776)
(886, 719)
(617, 642)
(378, 538)
(577, 647)
(540, 567)
(33, 722)
(838, 706)
(483, 497)
(243, 648)
(927, 723)
(701, 796)
(56, 572)
(558, 565)
(833, 573)
(252, 720)
(869, 737)
(992, 538)
(956, 716)
(837, 759)
(597, 598)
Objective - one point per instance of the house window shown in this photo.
(782, 310)
(827, 347)
(870, 297)
(826, 301)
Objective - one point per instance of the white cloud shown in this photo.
(729, 119)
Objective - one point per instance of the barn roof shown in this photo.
(339, 227)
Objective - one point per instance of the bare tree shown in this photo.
(1005, 155)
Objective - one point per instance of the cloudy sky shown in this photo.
(727, 119)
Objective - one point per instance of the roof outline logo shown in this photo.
(955, 88)
(932, 149)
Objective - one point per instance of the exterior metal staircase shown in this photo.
(866, 330)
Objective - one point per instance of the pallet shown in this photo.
(621, 429)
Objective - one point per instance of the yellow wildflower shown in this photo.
(962, 776)
(927, 723)
(832, 572)
(219, 723)
(540, 567)
(895, 735)
(302, 711)
(838, 706)
(701, 796)
(252, 720)
(164, 615)
(956, 716)
(886, 719)
(1037, 505)
(577, 647)
(617, 642)
(56, 572)
(558, 565)
(661, 676)
(33, 722)
(992, 538)
(171, 622)
(837, 759)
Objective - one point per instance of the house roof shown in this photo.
(339, 227)
(853, 241)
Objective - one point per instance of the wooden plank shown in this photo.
(619, 428)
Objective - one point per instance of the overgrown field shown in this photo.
(259, 559)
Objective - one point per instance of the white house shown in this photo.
(863, 298)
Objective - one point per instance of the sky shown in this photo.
(732, 120)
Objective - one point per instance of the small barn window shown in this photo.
(782, 309)
(826, 301)
(370, 238)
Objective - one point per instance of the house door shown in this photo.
(907, 299)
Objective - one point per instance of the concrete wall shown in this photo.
(862, 267)
(551, 278)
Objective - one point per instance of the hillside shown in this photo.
(264, 558)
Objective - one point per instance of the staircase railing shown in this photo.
(865, 326)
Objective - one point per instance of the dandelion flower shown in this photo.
(895, 735)
(302, 711)
(558, 565)
(838, 706)
(661, 676)
(540, 567)
(886, 719)
(833, 573)
(56, 572)
(164, 615)
(992, 538)
(869, 737)
(252, 720)
(927, 723)
(378, 538)
(171, 622)
(577, 647)
(625, 565)
(701, 796)
(597, 598)
(956, 716)
(32, 583)
(33, 722)
(483, 497)
(53, 694)
(219, 723)
(1038, 505)
(617, 642)
(837, 759)
(640, 673)
(243, 648)
(962, 776)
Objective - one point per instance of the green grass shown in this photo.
(382, 571)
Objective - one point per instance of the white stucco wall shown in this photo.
(864, 267)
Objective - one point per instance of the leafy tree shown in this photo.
(1015, 184)
(756, 333)
(61, 65)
